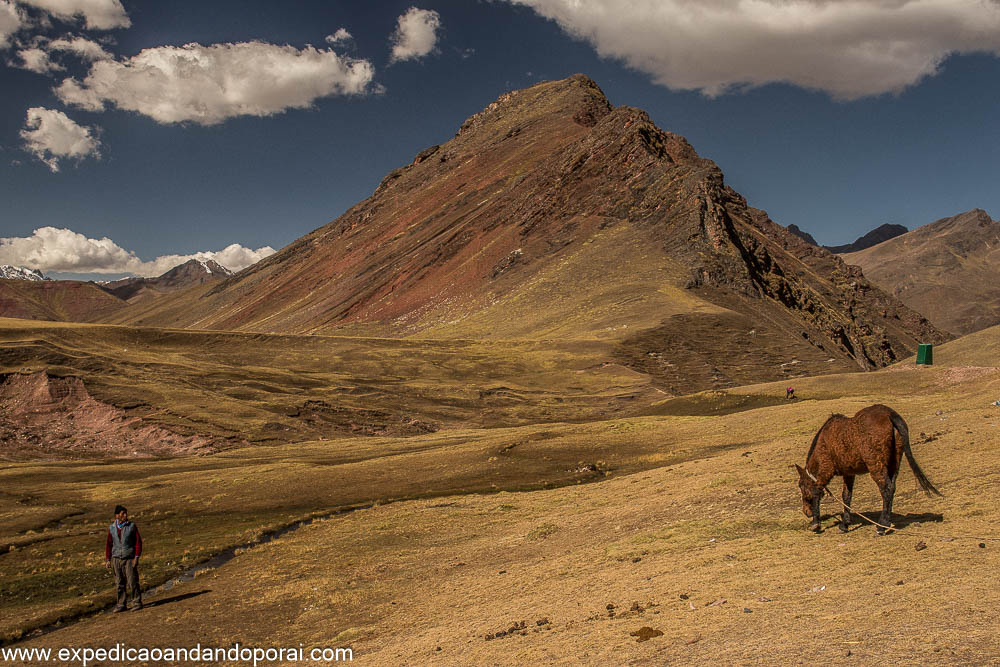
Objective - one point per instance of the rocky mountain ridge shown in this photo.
(803, 234)
(554, 215)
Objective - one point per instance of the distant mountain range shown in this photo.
(874, 237)
(8, 272)
(947, 270)
(190, 273)
(27, 294)
(553, 215)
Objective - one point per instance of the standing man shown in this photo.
(121, 553)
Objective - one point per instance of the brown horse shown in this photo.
(866, 442)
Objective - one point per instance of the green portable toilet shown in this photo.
(925, 354)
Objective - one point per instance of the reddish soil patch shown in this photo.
(43, 417)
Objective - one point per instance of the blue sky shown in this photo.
(836, 116)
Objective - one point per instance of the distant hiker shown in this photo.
(790, 392)
(121, 554)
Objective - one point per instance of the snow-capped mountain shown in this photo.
(20, 273)
(213, 268)
(190, 273)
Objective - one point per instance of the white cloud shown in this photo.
(848, 48)
(51, 135)
(208, 84)
(98, 14)
(234, 257)
(415, 35)
(11, 20)
(340, 36)
(50, 249)
(82, 47)
(36, 55)
(37, 60)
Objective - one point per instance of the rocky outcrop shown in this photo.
(802, 234)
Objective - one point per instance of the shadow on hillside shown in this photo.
(177, 598)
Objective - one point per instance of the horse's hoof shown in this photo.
(815, 527)
(844, 527)
(880, 532)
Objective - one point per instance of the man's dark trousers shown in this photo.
(127, 572)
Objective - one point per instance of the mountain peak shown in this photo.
(977, 217)
(197, 266)
(578, 98)
(553, 215)
(9, 272)
(189, 274)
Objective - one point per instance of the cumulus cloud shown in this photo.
(81, 47)
(51, 135)
(11, 20)
(50, 249)
(415, 35)
(338, 37)
(208, 84)
(97, 14)
(37, 54)
(848, 48)
(36, 60)
(234, 257)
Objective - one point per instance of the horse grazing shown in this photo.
(866, 442)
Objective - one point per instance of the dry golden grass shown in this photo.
(258, 388)
(696, 509)
(620, 298)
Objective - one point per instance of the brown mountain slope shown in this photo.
(57, 300)
(947, 270)
(553, 215)
(183, 276)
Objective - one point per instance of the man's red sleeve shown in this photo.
(138, 542)
(107, 547)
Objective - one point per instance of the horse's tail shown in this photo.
(904, 434)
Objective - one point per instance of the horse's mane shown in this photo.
(812, 447)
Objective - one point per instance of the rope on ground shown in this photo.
(894, 529)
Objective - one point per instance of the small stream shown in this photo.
(212, 563)
(224, 557)
(227, 555)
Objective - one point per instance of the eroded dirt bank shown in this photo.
(48, 417)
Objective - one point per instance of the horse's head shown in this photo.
(810, 488)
